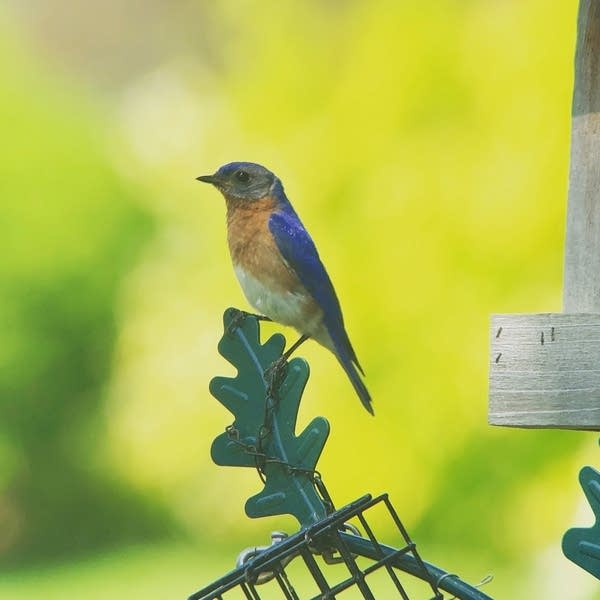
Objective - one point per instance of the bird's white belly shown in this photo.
(288, 308)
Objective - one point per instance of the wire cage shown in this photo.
(335, 540)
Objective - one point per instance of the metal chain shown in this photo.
(263, 459)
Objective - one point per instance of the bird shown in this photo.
(278, 266)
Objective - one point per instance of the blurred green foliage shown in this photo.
(425, 147)
(69, 231)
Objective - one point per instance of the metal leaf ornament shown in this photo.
(582, 544)
(264, 398)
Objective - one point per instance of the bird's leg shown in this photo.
(239, 318)
(274, 374)
(293, 347)
(260, 317)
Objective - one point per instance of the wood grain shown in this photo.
(545, 371)
(582, 248)
(545, 368)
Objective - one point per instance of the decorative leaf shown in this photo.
(265, 405)
(582, 545)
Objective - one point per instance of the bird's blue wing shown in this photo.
(300, 253)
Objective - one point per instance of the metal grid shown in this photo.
(327, 538)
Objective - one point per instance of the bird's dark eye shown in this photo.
(242, 176)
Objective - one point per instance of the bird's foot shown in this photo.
(277, 370)
(260, 317)
(239, 317)
(275, 374)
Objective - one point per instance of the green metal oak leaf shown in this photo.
(582, 545)
(265, 405)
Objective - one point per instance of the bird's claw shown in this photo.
(274, 375)
(239, 316)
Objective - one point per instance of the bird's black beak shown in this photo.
(208, 179)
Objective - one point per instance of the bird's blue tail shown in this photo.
(351, 366)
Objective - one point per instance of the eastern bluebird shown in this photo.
(278, 266)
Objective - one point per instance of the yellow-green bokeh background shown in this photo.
(425, 146)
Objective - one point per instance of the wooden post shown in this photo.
(545, 368)
(582, 252)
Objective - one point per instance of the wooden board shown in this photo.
(545, 370)
(582, 245)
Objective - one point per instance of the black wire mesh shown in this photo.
(328, 540)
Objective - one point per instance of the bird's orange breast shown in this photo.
(252, 246)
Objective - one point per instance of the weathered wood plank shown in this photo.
(545, 368)
(582, 249)
(545, 371)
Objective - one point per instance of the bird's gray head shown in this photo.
(242, 181)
